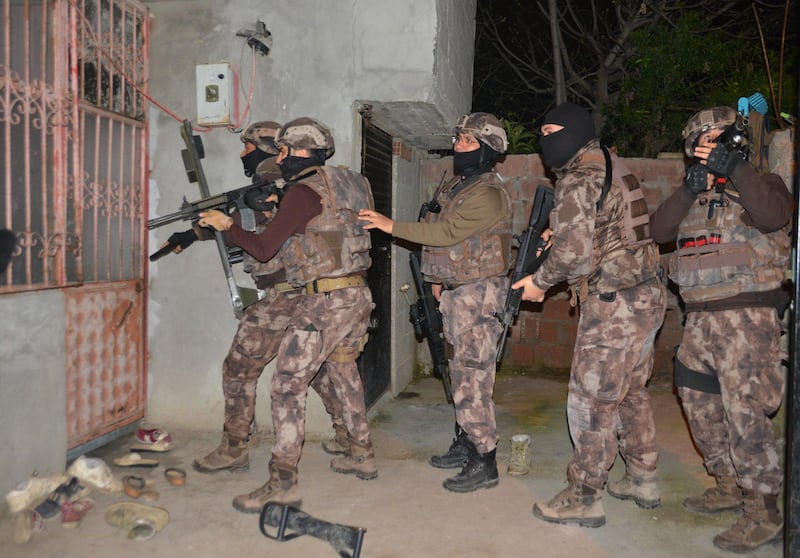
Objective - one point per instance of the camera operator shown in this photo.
(732, 230)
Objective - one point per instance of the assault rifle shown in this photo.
(425, 313)
(528, 261)
(224, 202)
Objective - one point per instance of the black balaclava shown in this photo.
(559, 147)
(292, 165)
(470, 163)
(251, 160)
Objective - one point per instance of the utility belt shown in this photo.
(285, 287)
(328, 284)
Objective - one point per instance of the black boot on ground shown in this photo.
(480, 471)
(456, 456)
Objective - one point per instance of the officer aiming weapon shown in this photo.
(531, 255)
(345, 539)
(194, 171)
(425, 313)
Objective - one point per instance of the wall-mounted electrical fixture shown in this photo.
(259, 38)
(216, 104)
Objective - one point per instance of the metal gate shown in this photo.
(374, 364)
(73, 134)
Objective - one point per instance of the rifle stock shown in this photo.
(527, 260)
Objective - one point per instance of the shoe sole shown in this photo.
(359, 474)
(461, 489)
(210, 471)
(592, 522)
(644, 504)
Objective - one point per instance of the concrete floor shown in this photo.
(405, 511)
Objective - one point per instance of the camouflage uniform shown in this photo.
(732, 256)
(613, 271)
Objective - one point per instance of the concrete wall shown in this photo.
(325, 56)
(544, 334)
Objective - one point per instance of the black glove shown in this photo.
(696, 181)
(722, 162)
(182, 239)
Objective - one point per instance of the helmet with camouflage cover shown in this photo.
(262, 135)
(703, 121)
(306, 133)
(485, 127)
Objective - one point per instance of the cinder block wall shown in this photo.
(544, 334)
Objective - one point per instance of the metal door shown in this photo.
(73, 133)
(374, 364)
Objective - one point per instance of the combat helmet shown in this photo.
(703, 121)
(262, 135)
(306, 133)
(485, 127)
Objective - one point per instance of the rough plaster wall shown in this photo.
(324, 56)
(32, 386)
(455, 37)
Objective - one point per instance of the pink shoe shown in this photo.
(152, 435)
(73, 512)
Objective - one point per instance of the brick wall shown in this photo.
(544, 334)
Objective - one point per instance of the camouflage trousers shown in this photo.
(608, 405)
(254, 346)
(472, 329)
(731, 427)
(324, 322)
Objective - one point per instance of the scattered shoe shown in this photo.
(93, 472)
(31, 492)
(133, 485)
(159, 446)
(72, 513)
(139, 520)
(26, 523)
(65, 492)
(133, 459)
(152, 435)
(175, 476)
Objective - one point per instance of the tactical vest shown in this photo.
(485, 254)
(623, 254)
(261, 269)
(335, 244)
(720, 256)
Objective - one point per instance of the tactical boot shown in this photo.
(456, 456)
(281, 488)
(520, 462)
(480, 471)
(637, 485)
(577, 503)
(359, 461)
(726, 496)
(760, 524)
(230, 455)
(339, 444)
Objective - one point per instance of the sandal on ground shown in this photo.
(135, 460)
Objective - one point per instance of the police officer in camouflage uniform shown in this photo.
(324, 251)
(261, 327)
(732, 230)
(466, 255)
(601, 246)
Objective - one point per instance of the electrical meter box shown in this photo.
(215, 94)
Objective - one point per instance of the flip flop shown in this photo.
(135, 460)
(159, 446)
